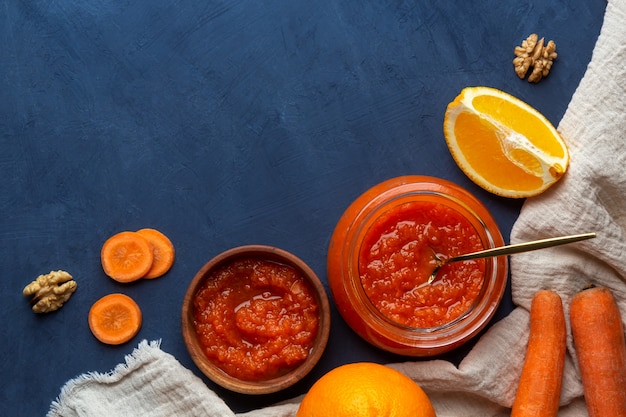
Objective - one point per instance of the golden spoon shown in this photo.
(506, 250)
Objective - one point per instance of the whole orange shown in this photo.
(365, 389)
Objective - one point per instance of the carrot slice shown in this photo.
(163, 251)
(539, 389)
(126, 256)
(601, 350)
(115, 319)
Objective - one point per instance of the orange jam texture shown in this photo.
(256, 319)
(396, 257)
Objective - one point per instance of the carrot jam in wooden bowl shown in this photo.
(255, 319)
(383, 248)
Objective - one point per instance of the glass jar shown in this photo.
(345, 266)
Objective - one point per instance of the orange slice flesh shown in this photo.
(503, 144)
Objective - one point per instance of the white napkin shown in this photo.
(588, 199)
(149, 383)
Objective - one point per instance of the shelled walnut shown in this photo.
(535, 53)
(50, 291)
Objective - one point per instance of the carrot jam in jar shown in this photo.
(383, 248)
(256, 319)
(397, 255)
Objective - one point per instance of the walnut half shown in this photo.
(50, 291)
(535, 53)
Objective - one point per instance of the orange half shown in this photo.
(503, 144)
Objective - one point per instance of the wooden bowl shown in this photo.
(221, 377)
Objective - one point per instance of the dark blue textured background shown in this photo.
(225, 123)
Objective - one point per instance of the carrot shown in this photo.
(115, 319)
(599, 342)
(163, 251)
(126, 256)
(539, 389)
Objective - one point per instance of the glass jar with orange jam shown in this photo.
(384, 247)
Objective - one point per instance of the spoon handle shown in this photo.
(523, 247)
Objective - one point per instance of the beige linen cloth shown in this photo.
(590, 198)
